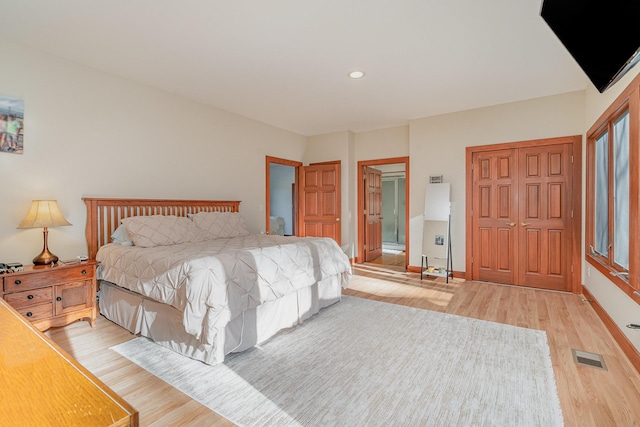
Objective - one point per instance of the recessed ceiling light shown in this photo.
(356, 74)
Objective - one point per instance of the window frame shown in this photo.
(628, 100)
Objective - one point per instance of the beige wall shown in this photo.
(622, 309)
(437, 147)
(382, 143)
(92, 134)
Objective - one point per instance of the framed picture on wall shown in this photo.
(11, 125)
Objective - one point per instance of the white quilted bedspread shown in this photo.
(213, 281)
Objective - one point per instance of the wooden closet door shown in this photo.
(522, 216)
(495, 216)
(545, 217)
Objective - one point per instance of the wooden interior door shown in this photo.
(522, 216)
(373, 214)
(544, 223)
(495, 216)
(320, 201)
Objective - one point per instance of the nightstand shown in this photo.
(53, 296)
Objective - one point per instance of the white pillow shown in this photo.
(161, 230)
(220, 225)
(121, 237)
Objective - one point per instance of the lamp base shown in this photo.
(45, 258)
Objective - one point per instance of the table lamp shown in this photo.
(44, 213)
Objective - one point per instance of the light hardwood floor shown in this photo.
(589, 396)
(391, 260)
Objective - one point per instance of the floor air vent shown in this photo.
(588, 359)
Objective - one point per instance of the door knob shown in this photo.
(511, 224)
(524, 224)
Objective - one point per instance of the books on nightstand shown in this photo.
(10, 267)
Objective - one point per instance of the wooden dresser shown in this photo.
(40, 385)
(53, 296)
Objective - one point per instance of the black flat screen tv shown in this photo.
(603, 36)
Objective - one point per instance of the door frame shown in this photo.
(576, 202)
(393, 180)
(267, 205)
(361, 194)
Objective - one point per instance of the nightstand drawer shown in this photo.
(37, 311)
(21, 282)
(29, 298)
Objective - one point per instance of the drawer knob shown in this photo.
(29, 314)
(18, 282)
(59, 299)
(29, 296)
(84, 272)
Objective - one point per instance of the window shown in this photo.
(613, 208)
(601, 244)
(611, 212)
(611, 196)
(621, 191)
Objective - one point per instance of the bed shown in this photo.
(188, 275)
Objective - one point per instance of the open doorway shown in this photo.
(394, 203)
(383, 201)
(281, 201)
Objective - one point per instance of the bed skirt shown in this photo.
(163, 323)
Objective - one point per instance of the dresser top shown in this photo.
(41, 385)
(57, 266)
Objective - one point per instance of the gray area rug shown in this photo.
(368, 363)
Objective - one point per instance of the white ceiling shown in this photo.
(285, 62)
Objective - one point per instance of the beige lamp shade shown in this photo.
(43, 213)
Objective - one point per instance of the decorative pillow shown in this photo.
(161, 230)
(220, 225)
(121, 237)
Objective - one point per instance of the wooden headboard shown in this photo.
(104, 215)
